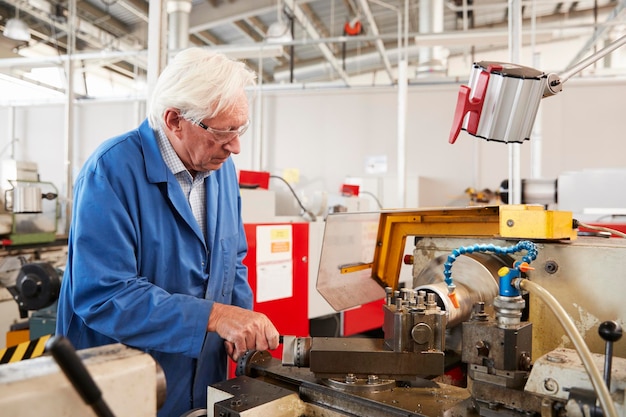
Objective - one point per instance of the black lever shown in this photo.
(74, 369)
(610, 331)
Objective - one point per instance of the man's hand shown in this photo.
(242, 329)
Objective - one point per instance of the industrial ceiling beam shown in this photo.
(307, 25)
(207, 16)
(258, 26)
(380, 46)
(136, 7)
(51, 29)
(318, 23)
(208, 38)
(616, 14)
(261, 28)
(315, 20)
(247, 30)
(104, 20)
(86, 32)
(98, 29)
(484, 40)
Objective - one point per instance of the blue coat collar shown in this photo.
(158, 172)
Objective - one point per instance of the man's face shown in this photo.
(205, 145)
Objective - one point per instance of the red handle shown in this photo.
(473, 106)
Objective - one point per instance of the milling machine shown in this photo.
(508, 315)
(30, 209)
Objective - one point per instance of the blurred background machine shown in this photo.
(30, 206)
(510, 314)
(32, 253)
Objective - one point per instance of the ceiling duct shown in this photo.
(432, 59)
(178, 17)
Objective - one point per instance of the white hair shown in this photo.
(200, 83)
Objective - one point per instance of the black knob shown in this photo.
(610, 331)
(31, 286)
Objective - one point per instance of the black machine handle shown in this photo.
(74, 369)
(611, 332)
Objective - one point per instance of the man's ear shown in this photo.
(173, 120)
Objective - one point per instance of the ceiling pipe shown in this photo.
(69, 114)
(431, 19)
(292, 28)
(206, 16)
(403, 82)
(178, 28)
(157, 48)
(496, 6)
(446, 39)
(497, 38)
(515, 53)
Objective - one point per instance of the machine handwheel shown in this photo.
(244, 363)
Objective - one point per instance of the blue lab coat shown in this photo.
(139, 270)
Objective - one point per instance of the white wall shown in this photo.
(328, 135)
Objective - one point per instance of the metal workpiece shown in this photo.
(296, 351)
(475, 279)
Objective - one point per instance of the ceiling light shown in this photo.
(17, 29)
(278, 32)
